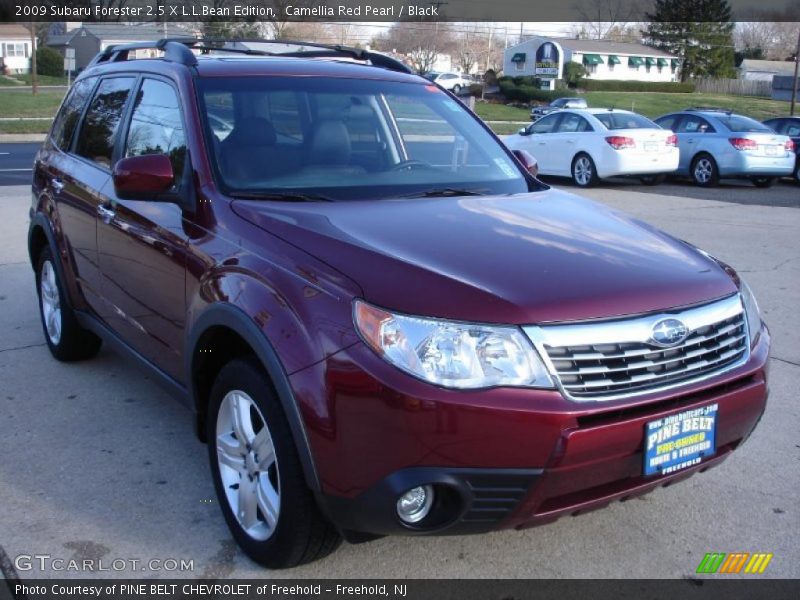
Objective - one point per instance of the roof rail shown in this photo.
(179, 50)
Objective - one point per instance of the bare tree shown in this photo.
(604, 19)
(775, 40)
(420, 41)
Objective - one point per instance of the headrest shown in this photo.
(253, 131)
(330, 144)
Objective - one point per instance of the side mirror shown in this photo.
(143, 177)
(527, 161)
(523, 131)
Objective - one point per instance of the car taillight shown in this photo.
(789, 146)
(672, 140)
(743, 143)
(618, 142)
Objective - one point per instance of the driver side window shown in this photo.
(545, 124)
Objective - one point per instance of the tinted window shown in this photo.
(572, 123)
(99, 129)
(156, 126)
(545, 124)
(620, 120)
(791, 128)
(694, 124)
(742, 124)
(667, 122)
(70, 113)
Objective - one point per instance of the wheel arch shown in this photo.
(224, 332)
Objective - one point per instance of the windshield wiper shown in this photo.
(282, 196)
(442, 193)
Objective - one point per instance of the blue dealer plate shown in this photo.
(680, 441)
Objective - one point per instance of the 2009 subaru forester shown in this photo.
(383, 322)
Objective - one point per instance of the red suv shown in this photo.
(382, 321)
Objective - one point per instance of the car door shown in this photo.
(540, 143)
(690, 132)
(142, 243)
(569, 138)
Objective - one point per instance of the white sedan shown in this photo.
(590, 144)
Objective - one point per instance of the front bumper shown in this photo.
(504, 458)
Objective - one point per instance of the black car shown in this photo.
(538, 112)
(788, 126)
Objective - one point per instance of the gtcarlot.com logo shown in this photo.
(46, 562)
(735, 562)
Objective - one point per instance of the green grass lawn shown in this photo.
(25, 126)
(22, 103)
(43, 79)
(651, 104)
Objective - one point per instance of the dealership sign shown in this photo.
(547, 61)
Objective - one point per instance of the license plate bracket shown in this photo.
(680, 440)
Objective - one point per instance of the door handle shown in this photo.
(690, 141)
(57, 185)
(105, 212)
(570, 141)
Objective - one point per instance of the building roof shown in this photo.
(14, 31)
(121, 32)
(779, 67)
(608, 47)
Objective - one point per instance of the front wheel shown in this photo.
(584, 173)
(763, 182)
(65, 338)
(257, 472)
(456, 89)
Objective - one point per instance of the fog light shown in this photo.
(415, 504)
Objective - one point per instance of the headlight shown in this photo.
(450, 354)
(751, 310)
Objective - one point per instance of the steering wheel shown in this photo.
(411, 164)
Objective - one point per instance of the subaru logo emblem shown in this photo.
(669, 332)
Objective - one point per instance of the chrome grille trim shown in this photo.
(614, 359)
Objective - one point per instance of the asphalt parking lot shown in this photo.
(97, 462)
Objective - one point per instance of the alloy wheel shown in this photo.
(703, 170)
(51, 302)
(248, 465)
(582, 171)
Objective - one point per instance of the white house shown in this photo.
(603, 59)
(764, 70)
(15, 48)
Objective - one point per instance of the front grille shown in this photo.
(603, 367)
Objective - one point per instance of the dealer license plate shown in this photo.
(772, 150)
(680, 441)
(651, 146)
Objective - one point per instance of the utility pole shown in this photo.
(520, 31)
(34, 67)
(794, 81)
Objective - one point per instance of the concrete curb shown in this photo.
(10, 138)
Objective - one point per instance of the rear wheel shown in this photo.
(257, 472)
(653, 179)
(763, 182)
(456, 89)
(65, 338)
(704, 171)
(584, 173)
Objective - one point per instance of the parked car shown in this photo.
(454, 82)
(789, 126)
(382, 322)
(717, 144)
(594, 143)
(537, 112)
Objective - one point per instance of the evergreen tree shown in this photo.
(699, 32)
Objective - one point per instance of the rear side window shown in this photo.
(572, 123)
(695, 124)
(69, 115)
(667, 122)
(99, 130)
(613, 120)
(545, 124)
(156, 125)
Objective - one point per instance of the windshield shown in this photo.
(741, 124)
(338, 139)
(613, 120)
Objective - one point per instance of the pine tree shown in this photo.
(699, 32)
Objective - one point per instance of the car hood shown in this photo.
(540, 257)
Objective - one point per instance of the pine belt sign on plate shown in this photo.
(680, 441)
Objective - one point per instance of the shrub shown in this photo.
(49, 62)
(613, 85)
(525, 89)
(574, 74)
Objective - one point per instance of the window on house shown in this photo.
(591, 68)
(17, 50)
(519, 66)
(611, 66)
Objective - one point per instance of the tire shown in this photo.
(653, 179)
(704, 171)
(584, 173)
(456, 89)
(763, 182)
(280, 526)
(65, 338)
